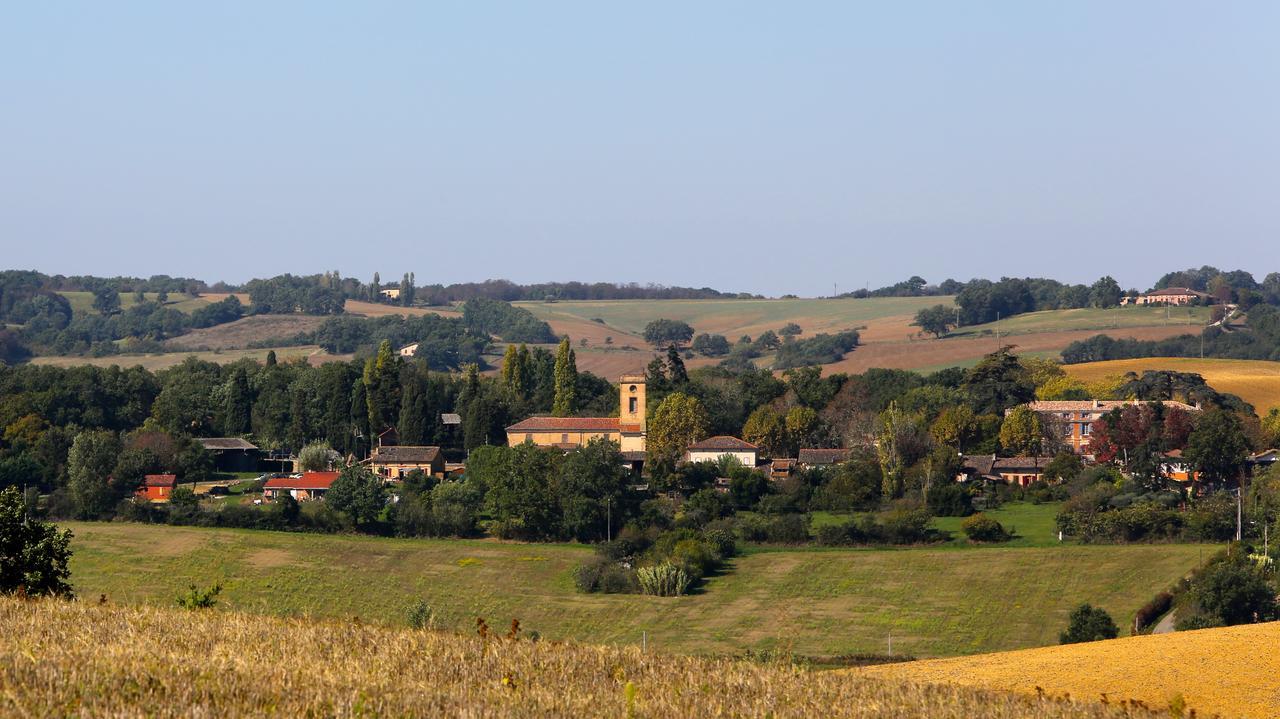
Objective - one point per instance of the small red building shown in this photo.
(157, 487)
(311, 485)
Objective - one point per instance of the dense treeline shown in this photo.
(512, 324)
(444, 343)
(508, 291)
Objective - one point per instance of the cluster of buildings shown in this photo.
(1169, 296)
(392, 461)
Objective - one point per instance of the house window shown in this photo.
(631, 405)
(564, 439)
(528, 438)
(1086, 428)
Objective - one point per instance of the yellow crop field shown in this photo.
(83, 659)
(1255, 381)
(1232, 671)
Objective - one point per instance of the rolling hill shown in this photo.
(84, 659)
(936, 601)
(1229, 671)
(1255, 381)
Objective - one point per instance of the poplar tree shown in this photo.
(566, 381)
(239, 404)
(382, 388)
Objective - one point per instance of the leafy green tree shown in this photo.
(90, 462)
(854, 484)
(661, 332)
(590, 488)
(937, 320)
(675, 368)
(791, 329)
(1233, 592)
(900, 441)
(382, 388)
(106, 300)
(358, 492)
(33, 554)
(679, 421)
(708, 344)
(999, 381)
(519, 493)
(1021, 432)
(953, 426)
(767, 429)
(566, 381)
(316, 457)
(1105, 293)
(804, 428)
(1217, 447)
(1088, 624)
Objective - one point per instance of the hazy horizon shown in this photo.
(741, 146)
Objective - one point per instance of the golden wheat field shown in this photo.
(1255, 381)
(80, 659)
(1232, 671)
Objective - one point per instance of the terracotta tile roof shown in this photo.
(563, 424)
(822, 456)
(160, 480)
(983, 464)
(1175, 292)
(404, 454)
(1099, 405)
(722, 442)
(217, 443)
(309, 480)
(1012, 463)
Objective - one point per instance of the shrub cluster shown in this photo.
(648, 562)
(895, 526)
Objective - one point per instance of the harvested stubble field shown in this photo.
(1255, 381)
(77, 658)
(827, 602)
(1230, 671)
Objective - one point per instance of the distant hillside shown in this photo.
(61, 658)
(1223, 671)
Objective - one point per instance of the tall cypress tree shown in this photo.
(382, 388)
(239, 404)
(566, 381)
(675, 367)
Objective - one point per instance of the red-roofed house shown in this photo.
(712, 449)
(311, 485)
(627, 429)
(157, 487)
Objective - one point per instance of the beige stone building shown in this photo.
(627, 429)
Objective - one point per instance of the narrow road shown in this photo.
(1166, 623)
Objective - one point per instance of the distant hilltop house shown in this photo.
(627, 429)
(408, 350)
(157, 487)
(1077, 416)
(712, 449)
(391, 293)
(231, 454)
(1168, 296)
(311, 485)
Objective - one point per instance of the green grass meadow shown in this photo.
(935, 601)
(82, 301)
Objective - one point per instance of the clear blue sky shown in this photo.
(770, 147)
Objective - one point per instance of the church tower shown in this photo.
(631, 403)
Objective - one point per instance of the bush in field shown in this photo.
(664, 580)
(950, 500)
(1088, 624)
(981, 528)
(197, 598)
(420, 615)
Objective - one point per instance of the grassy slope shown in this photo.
(1223, 671)
(1255, 381)
(1190, 318)
(935, 601)
(63, 658)
(162, 360)
(83, 301)
(734, 318)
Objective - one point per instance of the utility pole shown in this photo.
(1239, 516)
(608, 527)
